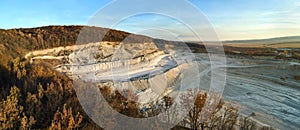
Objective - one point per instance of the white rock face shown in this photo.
(147, 69)
(139, 66)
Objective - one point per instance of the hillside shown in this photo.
(17, 42)
(55, 36)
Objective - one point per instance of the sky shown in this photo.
(230, 19)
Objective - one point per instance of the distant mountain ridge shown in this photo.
(268, 40)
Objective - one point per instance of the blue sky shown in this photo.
(231, 19)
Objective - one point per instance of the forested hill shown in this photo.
(55, 36)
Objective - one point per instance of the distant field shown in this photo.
(263, 45)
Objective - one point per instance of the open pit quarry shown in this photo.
(267, 87)
(150, 71)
